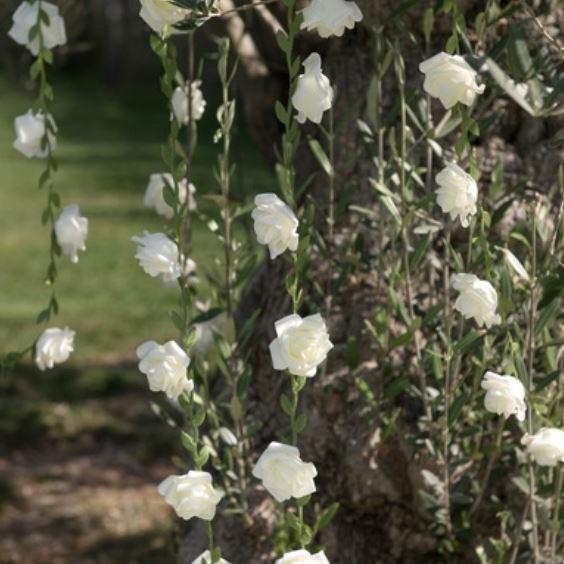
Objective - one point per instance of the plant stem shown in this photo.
(447, 391)
(517, 536)
(491, 461)
(330, 136)
(556, 513)
(209, 533)
(530, 371)
(406, 246)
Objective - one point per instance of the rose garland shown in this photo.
(38, 26)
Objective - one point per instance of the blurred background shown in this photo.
(81, 451)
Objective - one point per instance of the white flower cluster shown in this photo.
(452, 80)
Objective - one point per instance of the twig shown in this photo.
(555, 516)
(552, 40)
(530, 371)
(255, 4)
(489, 467)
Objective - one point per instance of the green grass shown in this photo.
(109, 143)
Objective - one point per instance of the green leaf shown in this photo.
(206, 316)
(508, 86)
(282, 40)
(244, 382)
(456, 407)
(321, 156)
(546, 315)
(428, 23)
(301, 423)
(452, 44)
(281, 112)
(198, 416)
(401, 341)
(396, 387)
(544, 382)
(286, 405)
(187, 442)
(420, 251)
(472, 338)
(177, 320)
(326, 517)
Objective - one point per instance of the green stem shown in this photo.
(530, 371)
(407, 245)
(556, 513)
(447, 390)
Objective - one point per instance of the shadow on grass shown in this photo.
(88, 406)
(149, 548)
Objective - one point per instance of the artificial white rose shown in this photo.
(301, 345)
(450, 79)
(505, 395)
(180, 98)
(154, 194)
(515, 264)
(477, 299)
(314, 94)
(546, 447)
(54, 346)
(30, 131)
(205, 558)
(303, 557)
(331, 17)
(71, 230)
(457, 194)
(275, 224)
(158, 14)
(158, 256)
(283, 473)
(166, 368)
(25, 17)
(191, 495)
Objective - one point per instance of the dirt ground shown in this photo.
(81, 453)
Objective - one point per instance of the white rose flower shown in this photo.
(180, 99)
(450, 79)
(53, 347)
(283, 473)
(546, 446)
(457, 194)
(154, 194)
(205, 558)
(158, 256)
(314, 94)
(331, 17)
(191, 495)
(505, 395)
(515, 264)
(301, 345)
(477, 299)
(71, 231)
(25, 17)
(30, 131)
(158, 14)
(275, 224)
(303, 557)
(166, 368)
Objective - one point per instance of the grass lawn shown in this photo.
(109, 143)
